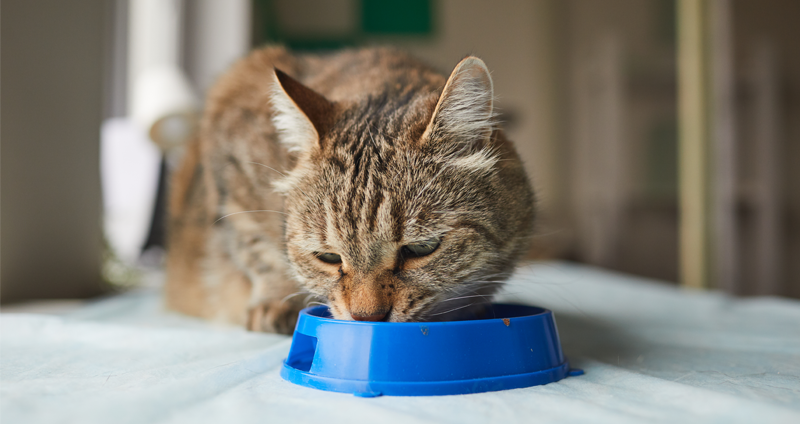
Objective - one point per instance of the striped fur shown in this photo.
(358, 153)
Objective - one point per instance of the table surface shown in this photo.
(652, 353)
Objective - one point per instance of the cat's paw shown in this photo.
(273, 317)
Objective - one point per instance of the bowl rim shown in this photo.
(538, 312)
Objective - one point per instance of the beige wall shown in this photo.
(51, 113)
(774, 23)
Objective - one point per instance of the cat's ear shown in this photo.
(301, 115)
(463, 114)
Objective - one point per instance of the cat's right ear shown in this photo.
(463, 120)
(464, 112)
(301, 115)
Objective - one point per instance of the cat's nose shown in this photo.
(380, 316)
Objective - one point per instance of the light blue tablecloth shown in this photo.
(652, 353)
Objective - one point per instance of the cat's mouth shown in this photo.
(374, 317)
(409, 306)
(438, 311)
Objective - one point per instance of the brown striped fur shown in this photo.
(357, 153)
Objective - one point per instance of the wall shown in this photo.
(51, 101)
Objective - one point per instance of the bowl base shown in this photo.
(429, 388)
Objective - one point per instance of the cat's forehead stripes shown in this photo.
(361, 151)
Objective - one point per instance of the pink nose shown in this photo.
(374, 317)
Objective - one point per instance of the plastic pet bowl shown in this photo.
(517, 346)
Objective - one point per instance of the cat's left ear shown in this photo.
(301, 115)
(463, 114)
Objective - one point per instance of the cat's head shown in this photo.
(403, 206)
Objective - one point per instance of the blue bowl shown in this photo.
(517, 347)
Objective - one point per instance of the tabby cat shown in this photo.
(363, 178)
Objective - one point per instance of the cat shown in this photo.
(361, 178)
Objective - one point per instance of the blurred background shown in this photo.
(662, 136)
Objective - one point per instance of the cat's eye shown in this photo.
(420, 249)
(329, 258)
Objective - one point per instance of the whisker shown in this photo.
(465, 297)
(236, 213)
(293, 295)
(579, 309)
(455, 309)
(268, 167)
(486, 282)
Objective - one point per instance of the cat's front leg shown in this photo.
(274, 316)
(275, 299)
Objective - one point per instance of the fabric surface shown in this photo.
(651, 352)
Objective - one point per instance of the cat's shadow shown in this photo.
(585, 337)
